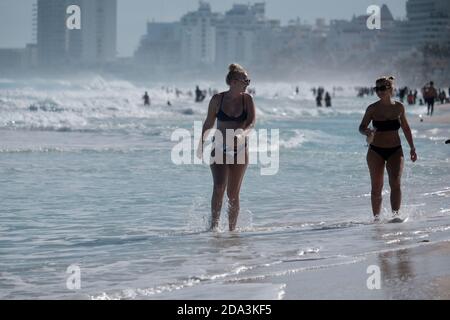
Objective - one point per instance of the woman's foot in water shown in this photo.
(376, 218)
(214, 226)
(395, 214)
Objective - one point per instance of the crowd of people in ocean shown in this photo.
(321, 96)
(429, 95)
(200, 95)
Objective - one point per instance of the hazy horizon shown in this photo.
(133, 15)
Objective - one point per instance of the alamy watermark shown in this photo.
(374, 20)
(262, 147)
(374, 280)
(73, 22)
(73, 281)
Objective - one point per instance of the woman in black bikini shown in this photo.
(385, 149)
(234, 109)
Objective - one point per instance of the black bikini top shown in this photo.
(387, 125)
(222, 116)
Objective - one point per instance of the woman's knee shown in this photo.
(233, 199)
(377, 190)
(395, 182)
(219, 189)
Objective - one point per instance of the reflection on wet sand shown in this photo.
(397, 273)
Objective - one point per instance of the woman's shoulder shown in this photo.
(247, 96)
(215, 101)
(371, 107)
(217, 96)
(400, 106)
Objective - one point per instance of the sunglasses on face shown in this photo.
(382, 88)
(244, 81)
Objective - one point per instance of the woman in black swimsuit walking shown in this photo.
(235, 110)
(385, 148)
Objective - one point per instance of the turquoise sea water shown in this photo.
(86, 179)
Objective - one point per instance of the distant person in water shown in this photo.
(146, 99)
(442, 96)
(327, 100)
(385, 150)
(199, 95)
(410, 98)
(234, 109)
(430, 95)
(319, 97)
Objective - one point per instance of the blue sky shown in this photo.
(15, 15)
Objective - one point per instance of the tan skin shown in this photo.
(228, 177)
(386, 109)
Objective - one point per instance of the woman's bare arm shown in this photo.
(251, 115)
(407, 131)
(209, 122)
(364, 126)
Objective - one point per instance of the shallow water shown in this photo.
(87, 180)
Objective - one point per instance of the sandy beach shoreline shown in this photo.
(420, 272)
(413, 273)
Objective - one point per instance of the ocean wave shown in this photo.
(301, 136)
(78, 104)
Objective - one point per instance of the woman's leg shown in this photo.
(220, 177)
(394, 168)
(236, 175)
(376, 168)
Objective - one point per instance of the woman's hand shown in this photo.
(370, 135)
(413, 154)
(369, 132)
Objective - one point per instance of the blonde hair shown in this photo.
(389, 79)
(234, 70)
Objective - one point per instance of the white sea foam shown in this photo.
(99, 104)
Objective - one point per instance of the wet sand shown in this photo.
(422, 272)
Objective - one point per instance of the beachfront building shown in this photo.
(51, 32)
(238, 34)
(198, 36)
(94, 43)
(208, 39)
(429, 22)
(294, 45)
(161, 46)
(352, 39)
(18, 59)
(11, 59)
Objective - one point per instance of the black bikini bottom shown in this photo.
(225, 148)
(385, 153)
